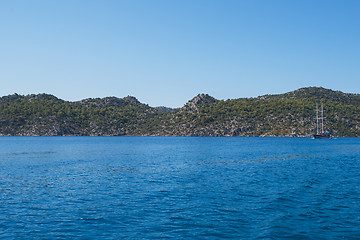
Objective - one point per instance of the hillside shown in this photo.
(288, 114)
(318, 94)
(47, 115)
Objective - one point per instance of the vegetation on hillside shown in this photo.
(288, 114)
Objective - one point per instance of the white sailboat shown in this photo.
(320, 133)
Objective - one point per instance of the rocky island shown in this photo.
(289, 114)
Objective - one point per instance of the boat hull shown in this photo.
(322, 136)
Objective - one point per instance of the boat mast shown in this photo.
(322, 119)
(317, 119)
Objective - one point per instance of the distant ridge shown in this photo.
(306, 92)
(318, 93)
(287, 114)
(111, 101)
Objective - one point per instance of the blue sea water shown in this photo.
(179, 188)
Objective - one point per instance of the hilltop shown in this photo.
(318, 94)
(288, 114)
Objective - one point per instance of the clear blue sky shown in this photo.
(164, 52)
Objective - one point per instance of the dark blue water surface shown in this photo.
(179, 188)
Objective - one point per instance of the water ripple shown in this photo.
(179, 188)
